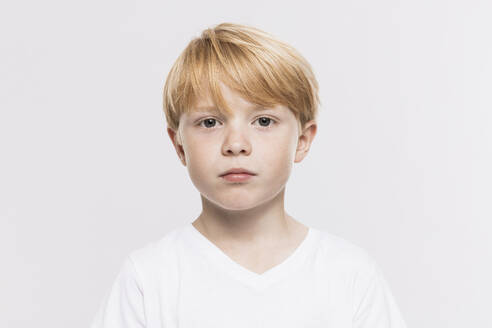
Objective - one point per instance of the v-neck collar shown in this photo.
(252, 279)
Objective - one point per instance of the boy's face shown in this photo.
(266, 142)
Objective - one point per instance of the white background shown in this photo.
(401, 164)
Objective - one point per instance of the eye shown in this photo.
(209, 122)
(264, 121)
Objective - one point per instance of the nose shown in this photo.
(236, 141)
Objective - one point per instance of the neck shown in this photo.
(263, 224)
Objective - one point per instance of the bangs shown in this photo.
(209, 64)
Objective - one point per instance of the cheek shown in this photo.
(279, 154)
(201, 157)
(197, 149)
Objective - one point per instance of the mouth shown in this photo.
(237, 175)
(238, 170)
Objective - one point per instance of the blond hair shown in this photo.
(262, 69)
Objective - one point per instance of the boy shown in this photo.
(240, 107)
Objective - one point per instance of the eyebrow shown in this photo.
(206, 108)
(214, 108)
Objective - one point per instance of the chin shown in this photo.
(235, 203)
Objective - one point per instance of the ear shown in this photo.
(305, 139)
(178, 145)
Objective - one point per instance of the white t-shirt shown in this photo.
(184, 280)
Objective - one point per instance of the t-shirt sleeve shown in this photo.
(375, 306)
(123, 304)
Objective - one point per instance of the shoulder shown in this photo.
(158, 254)
(344, 254)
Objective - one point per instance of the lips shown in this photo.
(237, 170)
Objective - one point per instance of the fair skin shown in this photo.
(246, 220)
